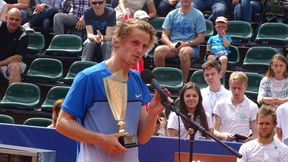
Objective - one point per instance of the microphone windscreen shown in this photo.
(147, 76)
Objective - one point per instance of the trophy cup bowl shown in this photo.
(116, 92)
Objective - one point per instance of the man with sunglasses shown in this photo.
(100, 22)
(13, 45)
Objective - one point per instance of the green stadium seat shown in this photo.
(157, 24)
(198, 78)
(40, 122)
(75, 68)
(45, 70)
(25, 96)
(36, 42)
(169, 77)
(65, 45)
(273, 33)
(239, 30)
(254, 80)
(258, 57)
(6, 119)
(55, 93)
(209, 29)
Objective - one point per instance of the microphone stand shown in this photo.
(192, 137)
(196, 126)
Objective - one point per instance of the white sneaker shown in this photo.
(27, 27)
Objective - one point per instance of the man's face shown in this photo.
(212, 76)
(265, 126)
(237, 89)
(186, 3)
(97, 4)
(13, 21)
(133, 47)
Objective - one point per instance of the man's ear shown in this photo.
(116, 42)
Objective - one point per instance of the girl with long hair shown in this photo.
(190, 104)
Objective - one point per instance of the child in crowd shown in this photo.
(218, 45)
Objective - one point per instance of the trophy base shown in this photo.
(128, 141)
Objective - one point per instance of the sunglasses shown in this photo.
(98, 2)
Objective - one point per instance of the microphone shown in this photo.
(149, 78)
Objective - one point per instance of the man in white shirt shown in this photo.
(236, 114)
(264, 148)
(214, 92)
(282, 120)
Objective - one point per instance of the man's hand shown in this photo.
(80, 24)
(99, 37)
(235, 2)
(40, 7)
(111, 144)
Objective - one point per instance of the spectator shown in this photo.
(14, 42)
(273, 88)
(185, 25)
(86, 115)
(190, 103)
(218, 7)
(161, 125)
(22, 5)
(245, 9)
(55, 112)
(218, 45)
(129, 7)
(236, 115)
(43, 15)
(275, 10)
(166, 6)
(214, 92)
(100, 23)
(281, 127)
(72, 19)
(265, 148)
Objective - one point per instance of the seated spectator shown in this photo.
(14, 42)
(218, 45)
(275, 10)
(100, 22)
(166, 6)
(127, 8)
(43, 15)
(55, 112)
(22, 5)
(218, 7)
(236, 115)
(214, 92)
(183, 33)
(273, 88)
(245, 9)
(161, 125)
(73, 19)
(281, 127)
(190, 103)
(265, 148)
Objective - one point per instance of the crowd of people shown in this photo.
(120, 37)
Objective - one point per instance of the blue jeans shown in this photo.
(44, 19)
(218, 7)
(244, 10)
(164, 8)
(24, 16)
(93, 51)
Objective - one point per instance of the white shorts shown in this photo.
(3, 69)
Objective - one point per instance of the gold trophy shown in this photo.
(116, 92)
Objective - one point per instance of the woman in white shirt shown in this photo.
(190, 103)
